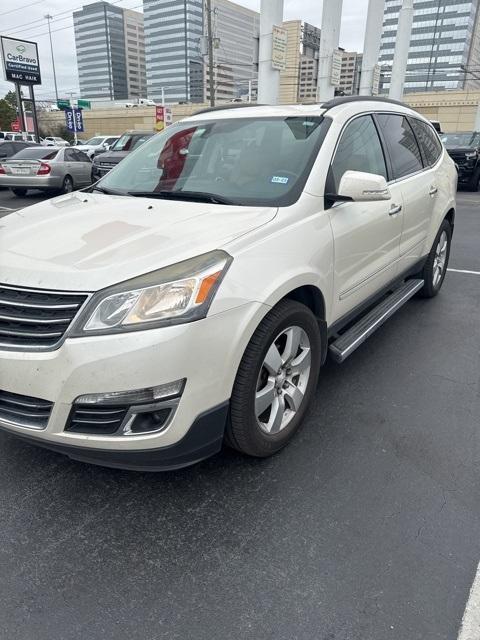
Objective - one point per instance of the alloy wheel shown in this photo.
(283, 380)
(440, 259)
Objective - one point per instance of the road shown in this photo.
(367, 527)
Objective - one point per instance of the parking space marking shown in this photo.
(470, 629)
(473, 273)
(7, 209)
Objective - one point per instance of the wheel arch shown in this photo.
(450, 216)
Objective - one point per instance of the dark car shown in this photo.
(10, 147)
(129, 141)
(464, 149)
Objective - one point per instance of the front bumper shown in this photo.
(31, 182)
(206, 353)
(98, 171)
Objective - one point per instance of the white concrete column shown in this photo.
(271, 13)
(402, 46)
(329, 39)
(477, 119)
(371, 46)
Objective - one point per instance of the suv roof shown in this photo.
(348, 102)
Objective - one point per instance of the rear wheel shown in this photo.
(275, 381)
(67, 185)
(19, 192)
(436, 265)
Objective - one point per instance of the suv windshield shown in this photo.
(244, 161)
(128, 142)
(461, 139)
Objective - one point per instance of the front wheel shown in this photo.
(275, 381)
(436, 265)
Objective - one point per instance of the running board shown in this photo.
(346, 344)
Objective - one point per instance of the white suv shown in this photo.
(191, 296)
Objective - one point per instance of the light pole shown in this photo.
(48, 17)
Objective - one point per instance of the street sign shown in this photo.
(74, 120)
(376, 80)
(279, 48)
(84, 104)
(20, 61)
(163, 117)
(63, 104)
(336, 70)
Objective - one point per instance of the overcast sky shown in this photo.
(25, 19)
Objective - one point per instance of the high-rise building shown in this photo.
(173, 56)
(135, 44)
(101, 40)
(444, 45)
(351, 64)
(299, 80)
(235, 30)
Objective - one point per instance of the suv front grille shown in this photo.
(24, 411)
(35, 319)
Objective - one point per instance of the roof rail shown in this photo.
(233, 105)
(344, 99)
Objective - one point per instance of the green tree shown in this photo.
(11, 98)
(8, 112)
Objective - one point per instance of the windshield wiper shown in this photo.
(193, 196)
(95, 187)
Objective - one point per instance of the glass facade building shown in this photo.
(173, 38)
(101, 57)
(444, 46)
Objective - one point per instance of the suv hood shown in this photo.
(88, 241)
(113, 156)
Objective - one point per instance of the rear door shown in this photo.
(366, 234)
(417, 186)
(84, 165)
(72, 166)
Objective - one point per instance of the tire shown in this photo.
(67, 185)
(430, 273)
(20, 192)
(289, 323)
(474, 183)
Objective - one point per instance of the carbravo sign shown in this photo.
(20, 61)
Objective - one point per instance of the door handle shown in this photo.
(433, 190)
(394, 209)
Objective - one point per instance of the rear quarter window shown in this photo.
(427, 138)
(401, 143)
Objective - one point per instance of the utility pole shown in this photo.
(48, 17)
(400, 57)
(271, 14)
(211, 79)
(371, 46)
(329, 40)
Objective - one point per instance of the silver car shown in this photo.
(47, 168)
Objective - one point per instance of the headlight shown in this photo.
(471, 154)
(180, 293)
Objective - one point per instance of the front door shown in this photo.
(366, 234)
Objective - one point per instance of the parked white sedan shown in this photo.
(47, 168)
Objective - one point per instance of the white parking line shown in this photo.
(470, 629)
(473, 273)
(6, 209)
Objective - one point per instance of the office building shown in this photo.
(135, 46)
(299, 80)
(173, 55)
(444, 45)
(235, 30)
(350, 73)
(101, 40)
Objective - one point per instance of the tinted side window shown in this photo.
(359, 149)
(69, 155)
(81, 157)
(428, 141)
(402, 145)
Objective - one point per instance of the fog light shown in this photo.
(136, 396)
(147, 422)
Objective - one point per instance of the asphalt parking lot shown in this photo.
(367, 527)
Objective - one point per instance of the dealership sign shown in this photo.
(20, 60)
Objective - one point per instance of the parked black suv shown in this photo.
(130, 140)
(464, 149)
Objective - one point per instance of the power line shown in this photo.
(20, 8)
